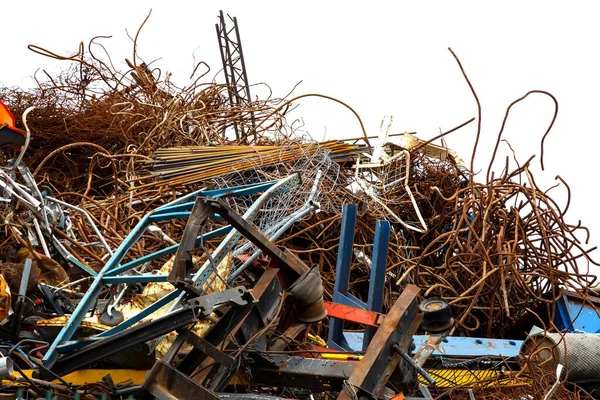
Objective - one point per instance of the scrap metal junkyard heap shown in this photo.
(189, 243)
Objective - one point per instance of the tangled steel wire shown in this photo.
(496, 250)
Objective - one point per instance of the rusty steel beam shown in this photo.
(182, 263)
(372, 373)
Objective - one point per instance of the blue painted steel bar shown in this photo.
(166, 251)
(157, 305)
(455, 346)
(241, 190)
(336, 338)
(377, 277)
(187, 206)
(93, 291)
(166, 216)
(342, 269)
(81, 265)
(145, 278)
(180, 199)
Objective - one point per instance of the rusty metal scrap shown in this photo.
(110, 147)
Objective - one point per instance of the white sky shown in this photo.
(381, 58)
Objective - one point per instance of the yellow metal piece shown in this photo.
(460, 377)
(4, 298)
(84, 376)
(136, 377)
(341, 356)
(156, 290)
(89, 323)
(317, 340)
(239, 379)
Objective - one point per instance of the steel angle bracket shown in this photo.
(282, 258)
(182, 263)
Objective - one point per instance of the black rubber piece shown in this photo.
(437, 315)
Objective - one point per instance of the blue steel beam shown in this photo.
(81, 265)
(241, 190)
(455, 346)
(575, 314)
(377, 277)
(336, 338)
(166, 251)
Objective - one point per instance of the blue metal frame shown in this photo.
(110, 273)
(336, 339)
(573, 314)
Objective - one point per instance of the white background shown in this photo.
(382, 58)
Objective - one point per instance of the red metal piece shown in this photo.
(351, 314)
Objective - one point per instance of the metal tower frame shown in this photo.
(234, 68)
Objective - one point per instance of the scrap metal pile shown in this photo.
(189, 242)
